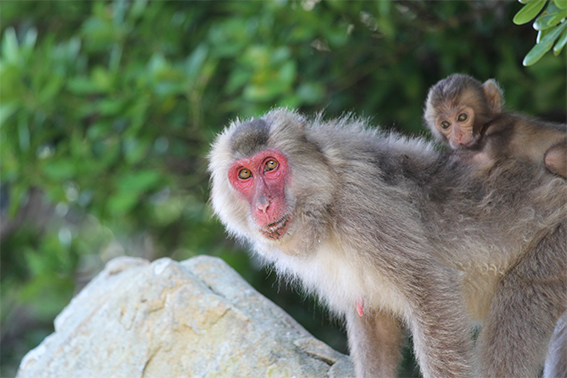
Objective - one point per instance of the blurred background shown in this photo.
(107, 110)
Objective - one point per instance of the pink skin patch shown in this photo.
(261, 180)
(360, 307)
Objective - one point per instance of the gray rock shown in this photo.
(197, 318)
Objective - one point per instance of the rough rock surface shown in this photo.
(196, 318)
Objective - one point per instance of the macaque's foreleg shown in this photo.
(438, 321)
(526, 306)
(440, 326)
(375, 340)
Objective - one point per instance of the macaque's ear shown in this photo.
(493, 95)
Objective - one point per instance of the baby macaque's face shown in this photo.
(459, 107)
(457, 125)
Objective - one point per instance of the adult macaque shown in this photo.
(468, 115)
(390, 234)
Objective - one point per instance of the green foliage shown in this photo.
(551, 26)
(107, 109)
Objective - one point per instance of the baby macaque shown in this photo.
(468, 116)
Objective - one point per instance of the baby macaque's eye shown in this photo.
(462, 117)
(445, 124)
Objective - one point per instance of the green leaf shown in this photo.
(548, 19)
(529, 12)
(134, 150)
(106, 152)
(51, 88)
(138, 182)
(560, 44)
(137, 9)
(23, 132)
(238, 78)
(10, 49)
(559, 17)
(130, 188)
(59, 169)
(541, 34)
(110, 106)
(524, 1)
(7, 109)
(122, 203)
(311, 92)
(561, 4)
(543, 46)
(101, 79)
(287, 73)
(30, 39)
(552, 8)
(384, 7)
(81, 85)
(195, 61)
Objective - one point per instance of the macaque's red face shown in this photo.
(458, 126)
(261, 180)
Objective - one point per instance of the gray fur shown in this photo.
(250, 136)
(424, 240)
(451, 88)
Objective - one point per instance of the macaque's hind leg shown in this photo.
(556, 360)
(375, 341)
(556, 159)
(529, 300)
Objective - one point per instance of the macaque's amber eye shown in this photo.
(445, 124)
(270, 165)
(244, 174)
(462, 117)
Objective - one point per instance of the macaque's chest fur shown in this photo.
(479, 285)
(341, 279)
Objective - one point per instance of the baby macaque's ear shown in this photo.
(493, 95)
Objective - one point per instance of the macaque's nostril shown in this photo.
(263, 203)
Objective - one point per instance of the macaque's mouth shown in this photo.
(468, 144)
(277, 229)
